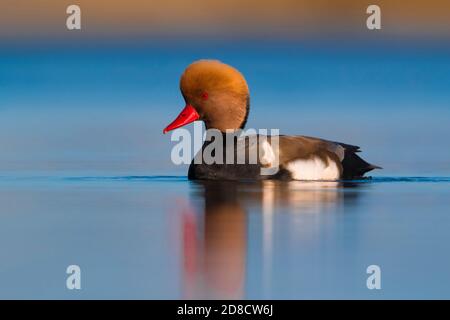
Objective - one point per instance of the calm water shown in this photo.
(166, 237)
(86, 176)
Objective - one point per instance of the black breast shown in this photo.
(224, 171)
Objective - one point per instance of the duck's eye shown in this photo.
(205, 95)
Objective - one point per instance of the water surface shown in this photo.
(86, 176)
(167, 237)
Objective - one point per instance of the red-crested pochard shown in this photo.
(218, 95)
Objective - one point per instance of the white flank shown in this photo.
(313, 169)
(266, 154)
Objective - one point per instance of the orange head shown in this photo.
(215, 93)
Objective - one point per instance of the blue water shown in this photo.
(86, 176)
(167, 237)
(93, 110)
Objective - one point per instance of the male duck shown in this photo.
(218, 95)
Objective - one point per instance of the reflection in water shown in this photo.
(215, 236)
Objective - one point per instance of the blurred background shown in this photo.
(86, 176)
(95, 100)
(263, 19)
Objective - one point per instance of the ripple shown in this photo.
(158, 178)
(129, 178)
(167, 178)
(408, 179)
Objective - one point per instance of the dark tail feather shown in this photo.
(354, 166)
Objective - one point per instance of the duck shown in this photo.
(218, 94)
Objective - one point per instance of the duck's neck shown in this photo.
(247, 111)
(224, 120)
